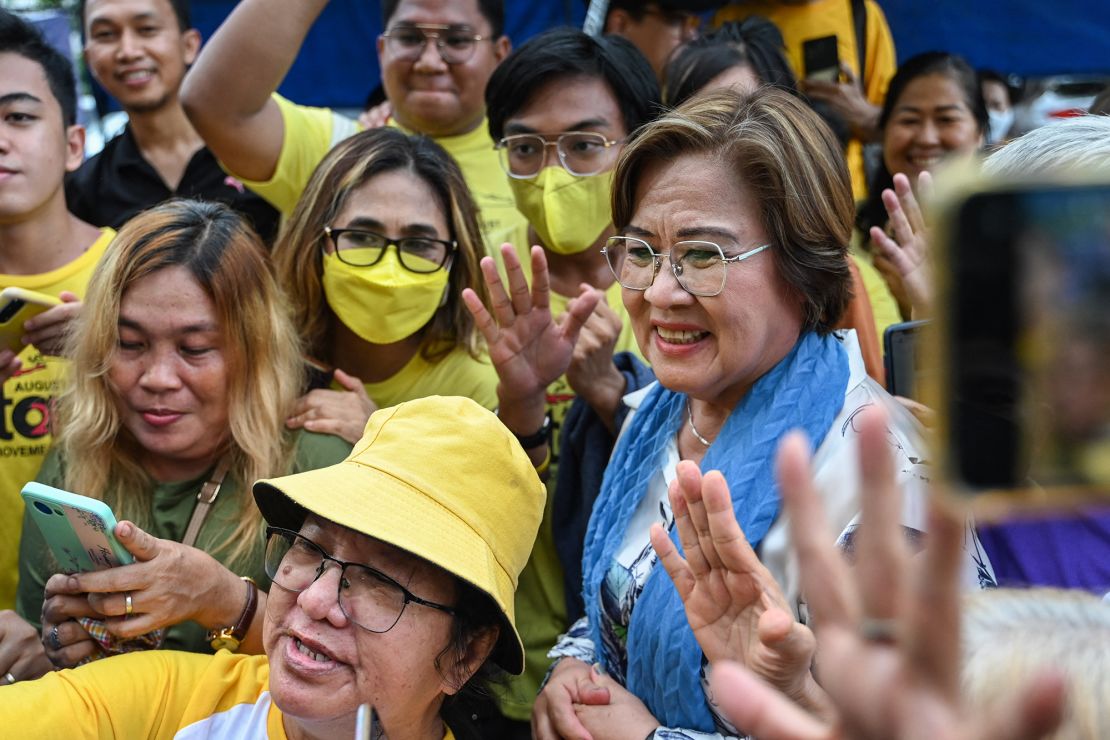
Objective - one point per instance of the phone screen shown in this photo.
(1029, 340)
(907, 366)
(821, 59)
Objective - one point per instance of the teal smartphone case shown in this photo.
(78, 529)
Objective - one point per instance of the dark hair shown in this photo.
(755, 42)
(180, 11)
(492, 10)
(779, 147)
(17, 36)
(475, 612)
(564, 53)
(1013, 92)
(873, 212)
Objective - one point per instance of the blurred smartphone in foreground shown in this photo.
(1025, 388)
(16, 306)
(78, 529)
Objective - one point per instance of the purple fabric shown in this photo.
(1064, 550)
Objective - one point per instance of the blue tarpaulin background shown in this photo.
(338, 65)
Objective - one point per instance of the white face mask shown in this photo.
(1001, 122)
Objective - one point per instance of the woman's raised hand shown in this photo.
(528, 348)
(734, 605)
(888, 630)
(908, 252)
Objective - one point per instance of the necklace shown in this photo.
(694, 429)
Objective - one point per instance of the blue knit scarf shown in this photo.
(804, 390)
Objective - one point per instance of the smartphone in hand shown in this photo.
(821, 59)
(78, 529)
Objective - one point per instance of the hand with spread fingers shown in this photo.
(168, 583)
(22, 656)
(735, 608)
(907, 254)
(528, 348)
(341, 413)
(888, 630)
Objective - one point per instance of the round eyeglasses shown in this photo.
(581, 153)
(699, 267)
(455, 44)
(361, 248)
(368, 597)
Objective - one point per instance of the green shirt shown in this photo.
(173, 505)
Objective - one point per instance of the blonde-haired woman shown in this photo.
(374, 259)
(184, 368)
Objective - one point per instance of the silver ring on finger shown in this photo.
(8, 679)
(128, 605)
(55, 643)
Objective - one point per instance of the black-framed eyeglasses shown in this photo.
(581, 153)
(368, 597)
(362, 248)
(698, 266)
(455, 44)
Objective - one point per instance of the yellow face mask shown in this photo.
(568, 212)
(384, 303)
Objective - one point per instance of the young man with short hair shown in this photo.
(139, 51)
(42, 248)
(561, 108)
(436, 57)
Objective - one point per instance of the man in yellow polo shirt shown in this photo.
(42, 248)
(436, 57)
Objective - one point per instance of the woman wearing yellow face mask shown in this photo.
(374, 259)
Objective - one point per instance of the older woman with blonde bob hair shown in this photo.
(374, 259)
(184, 368)
(733, 215)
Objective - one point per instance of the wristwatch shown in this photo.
(532, 441)
(229, 638)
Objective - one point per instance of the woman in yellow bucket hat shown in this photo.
(393, 572)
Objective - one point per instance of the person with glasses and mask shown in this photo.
(374, 260)
(561, 108)
(436, 57)
(392, 596)
(732, 215)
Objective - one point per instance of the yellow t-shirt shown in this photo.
(814, 20)
(541, 612)
(310, 133)
(883, 306)
(152, 694)
(25, 409)
(457, 374)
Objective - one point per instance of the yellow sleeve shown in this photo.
(309, 135)
(141, 695)
(881, 60)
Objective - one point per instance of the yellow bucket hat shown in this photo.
(439, 477)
